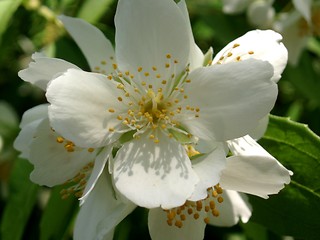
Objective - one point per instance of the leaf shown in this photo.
(22, 198)
(92, 10)
(295, 210)
(57, 216)
(7, 9)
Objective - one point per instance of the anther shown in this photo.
(236, 45)
(90, 150)
(60, 139)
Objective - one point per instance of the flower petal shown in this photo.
(101, 212)
(253, 170)
(53, 164)
(80, 108)
(159, 229)
(288, 26)
(97, 170)
(95, 46)
(154, 174)
(260, 130)
(263, 45)
(240, 94)
(208, 169)
(235, 206)
(232, 6)
(29, 124)
(196, 57)
(261, 14)
(44, 69)
(304, 8)
(145, 33)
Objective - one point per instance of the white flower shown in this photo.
(57, 160)
(152, 95)
(298, 26)
(260, 13)
(155, 100)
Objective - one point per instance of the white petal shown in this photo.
(145, 33)
(29, 124)
(153, 175)
(261, 14)
(253, 170)
(294, 40)
(208, 169)
(260, 130)
(44, 69)
(97, 170)
(235, 206)
(101, 213)
(196, 58)
(53, 164)
(80, 103)
(304, 8)
(159, 229)
(235, 6)
(95, 46)
(263, 45)
(232, 99)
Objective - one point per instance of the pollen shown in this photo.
(199, 210)
(90, 150)
(60, 139)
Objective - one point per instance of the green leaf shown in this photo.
(57, 216)
(295, 210)
(92, 10)
(7, 9)
(22, 198)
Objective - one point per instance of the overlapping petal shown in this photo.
(232, 98)
(53, 164)
(159, 229)
(98, 168)
(196, 57)
(235, 206)
(154, 174)
(80, 108)
(44, 69)
(208, 168)
(145, 33)
(97, 49)
(29, 124)
(263, 45)
(253, 170)
(101, 212)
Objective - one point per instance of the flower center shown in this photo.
(201, 209)
(152, 107)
